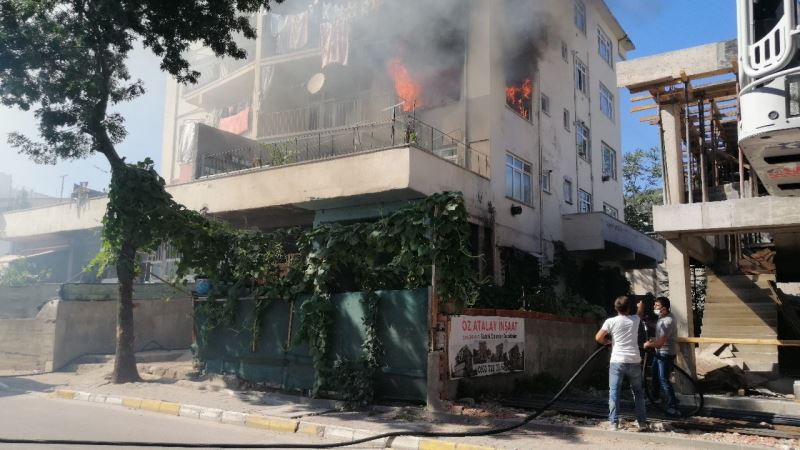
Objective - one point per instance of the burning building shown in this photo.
(347, 109)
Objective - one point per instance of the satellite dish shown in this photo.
(315, 83)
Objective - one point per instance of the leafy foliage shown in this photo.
(66, 59)
(528, 287)
(22, 272)
(395, 252)
(642, 174)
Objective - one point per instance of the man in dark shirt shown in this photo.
(666, 348)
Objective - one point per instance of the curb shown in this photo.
(284, 425)
(275, 424)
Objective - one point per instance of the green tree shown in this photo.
(66, 60)
(22, 272)
(642, 175)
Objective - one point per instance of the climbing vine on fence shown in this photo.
(395, 252)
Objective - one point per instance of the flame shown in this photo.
(408, 89)
(518, 97)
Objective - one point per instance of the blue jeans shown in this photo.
(616, 373)
(662, 368)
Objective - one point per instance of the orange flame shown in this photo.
(518, 97)
(408, 89)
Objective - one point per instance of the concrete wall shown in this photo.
(24, 302)
(90, 327)
(83, 321)
(27, 344)
(554, 345)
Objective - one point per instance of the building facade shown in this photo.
(346, 110)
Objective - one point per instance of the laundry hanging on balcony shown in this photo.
(291, 31)
(335, 41)
(237, 124)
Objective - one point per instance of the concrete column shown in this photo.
(673, 159)
(436, 384)
(680, 296)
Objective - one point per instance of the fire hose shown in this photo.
(394, 434)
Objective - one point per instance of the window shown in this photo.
(581, 77)
(606, 102)
(609, 163)
(566, 119)
(610, 210)
(546, 180)
(546, 104)
(605, 47)
(518, 179)
(582, 141)
(584, 201)
(568, 190)
(564, 51)
(580, 16)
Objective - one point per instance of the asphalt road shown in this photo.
(34, 417)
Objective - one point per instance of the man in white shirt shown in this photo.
(622, 333)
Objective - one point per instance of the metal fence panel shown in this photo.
(402, 327)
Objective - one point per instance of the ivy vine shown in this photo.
(395, 252)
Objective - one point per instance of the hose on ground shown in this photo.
(698, 393)
(394, 434)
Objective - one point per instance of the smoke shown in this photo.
(526, 35)
(427, 37)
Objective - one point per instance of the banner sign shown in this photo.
(481, 345)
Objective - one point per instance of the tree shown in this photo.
(66, 59)
(642, 174)
(22, 272)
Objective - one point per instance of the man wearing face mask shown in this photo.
(666, 348)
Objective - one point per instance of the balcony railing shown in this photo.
(326, 115)
(393, 133)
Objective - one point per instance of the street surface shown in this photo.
(31, 416)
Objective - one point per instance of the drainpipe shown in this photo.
(465, 92)
(575, 123)
(591, 159)
(541, 162)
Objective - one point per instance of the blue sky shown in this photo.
(655, 26)
(143, 118)
(658, 26)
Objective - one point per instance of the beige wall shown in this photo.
(65, 330)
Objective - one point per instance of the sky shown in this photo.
(143, 119)
(655, 26)
(658, 26)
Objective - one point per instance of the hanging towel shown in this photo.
(277, 23)
(187, 143)
(237, 123)
(335, 41)
(293, 34)
(186, 173)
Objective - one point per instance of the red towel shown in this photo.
(237, 123)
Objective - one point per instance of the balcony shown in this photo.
(285, 182)
(365, 108)
(603, 238)
(339, 142)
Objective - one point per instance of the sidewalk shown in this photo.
(213, 400)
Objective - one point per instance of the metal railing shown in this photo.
(326, 115)
(393, 133)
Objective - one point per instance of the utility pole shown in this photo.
(61, 194)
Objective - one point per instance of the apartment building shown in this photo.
(345, 110)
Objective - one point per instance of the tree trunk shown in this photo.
(125, 361)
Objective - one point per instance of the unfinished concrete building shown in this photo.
(718, 217)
